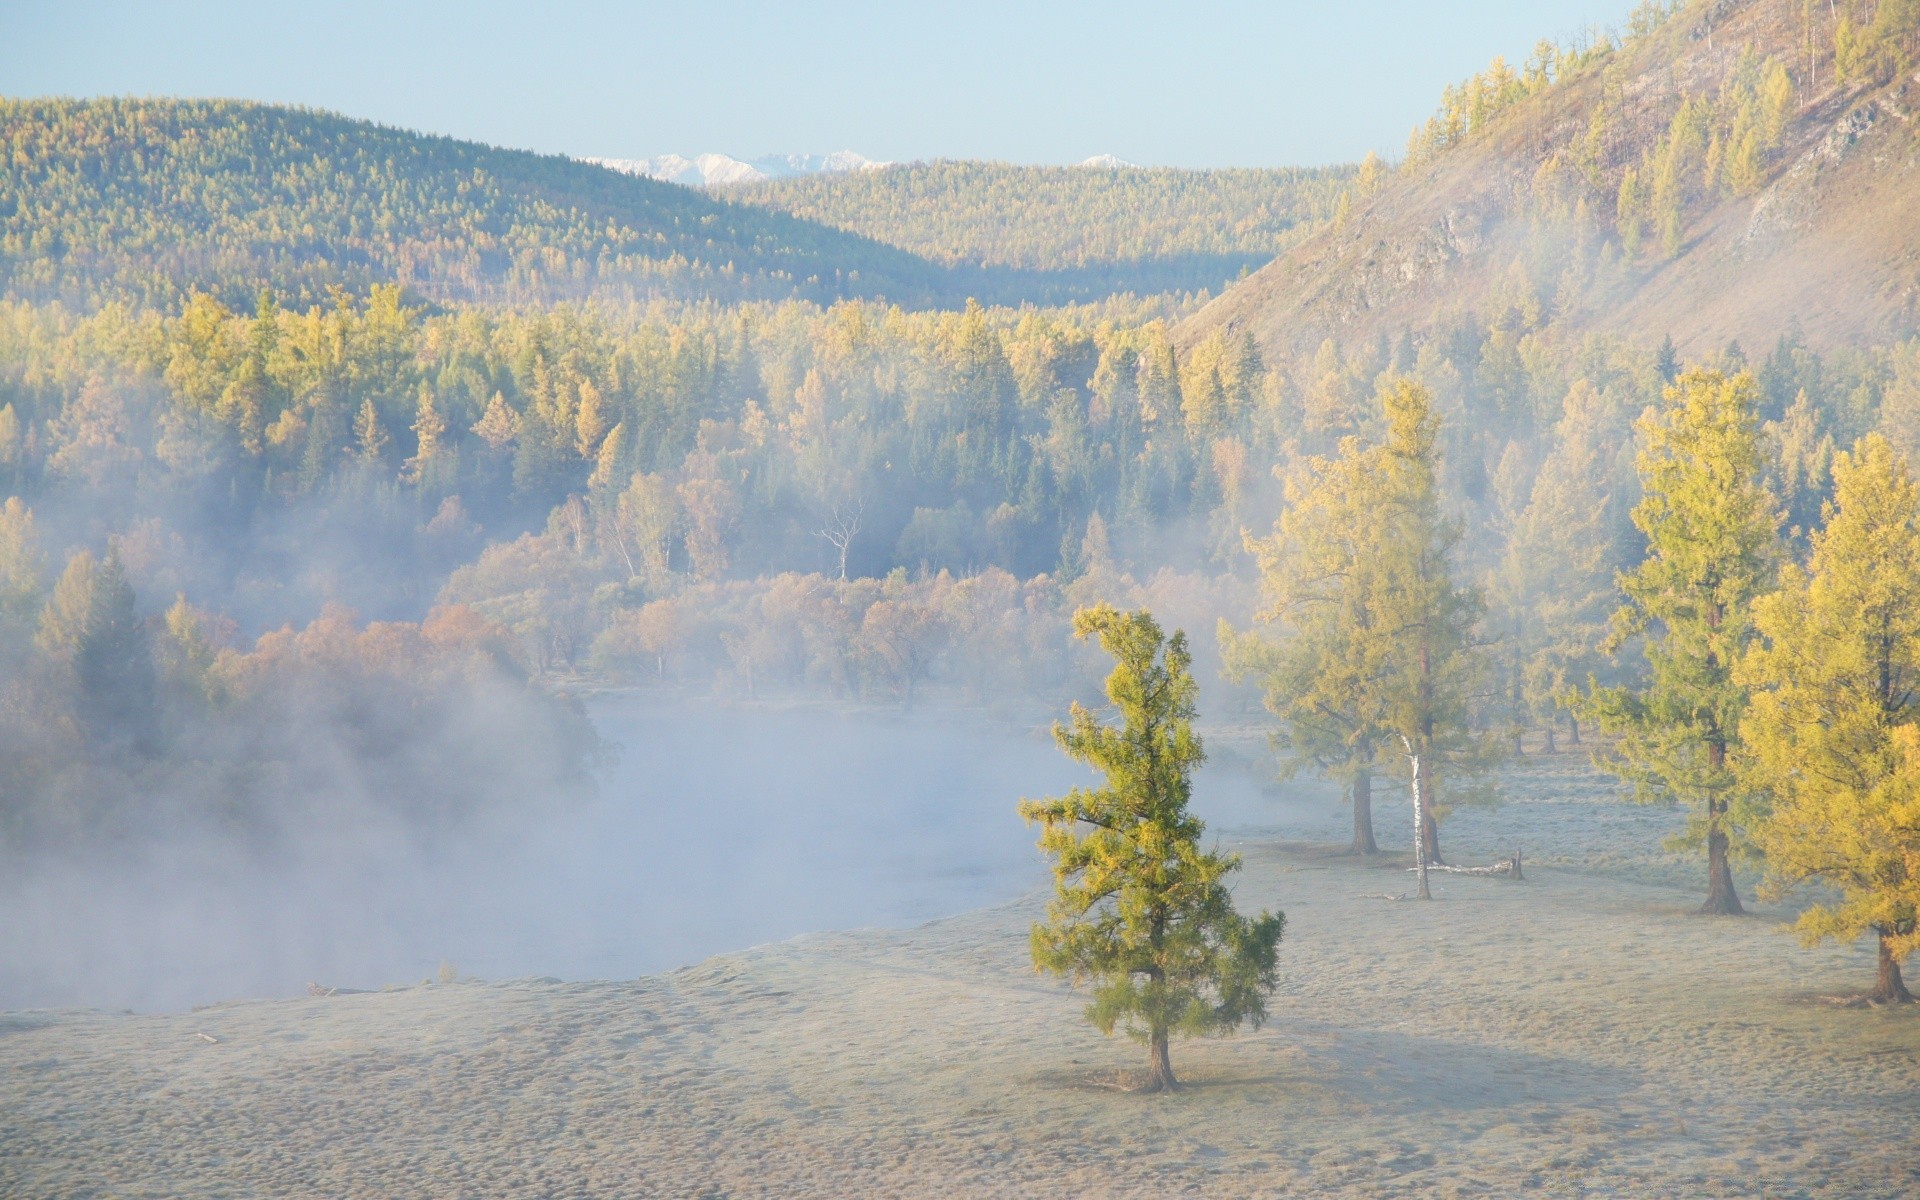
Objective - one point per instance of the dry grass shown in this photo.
(1580, 1034)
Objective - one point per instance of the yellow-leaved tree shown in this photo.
(1833, 726)
(1711, 546)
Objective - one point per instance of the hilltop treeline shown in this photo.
(1057, 233)
(151, 201)
(148, 201)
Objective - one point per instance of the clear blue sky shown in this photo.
(1200, 83)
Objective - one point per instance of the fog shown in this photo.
(714, 829)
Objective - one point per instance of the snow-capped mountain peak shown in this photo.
(709, 169)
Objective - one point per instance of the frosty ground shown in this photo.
(1579, 1034)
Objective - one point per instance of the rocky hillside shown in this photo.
(1721, 172)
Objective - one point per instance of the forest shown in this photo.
(151, 201)
(857, 503)
(1067, 233)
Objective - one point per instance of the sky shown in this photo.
(1200, 83)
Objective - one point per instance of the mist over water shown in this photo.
(716, 828)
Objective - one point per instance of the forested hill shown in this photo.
(149, 200)
(1065, 233)
(1720, 171)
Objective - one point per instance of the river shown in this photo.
(716, 828)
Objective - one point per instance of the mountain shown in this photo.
(1070, 232)
(148, 200)
(1729, 171)
(709, 169)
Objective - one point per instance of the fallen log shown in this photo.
(1509, 868)
(315, 989)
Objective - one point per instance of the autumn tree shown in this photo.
(90, 630)
(645, 517)
(1710, 527)
(1140, 910)
(1555, 584)
(1316, 676)
(1428, 664)
(429, 434)
(20, 566)
(1378, 651)
(1833, 727)
(903, 635)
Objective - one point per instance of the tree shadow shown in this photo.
(1385, 1070)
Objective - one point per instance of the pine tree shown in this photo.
(1556, 582)
(1317, 676)
(367, 432)
(1833, 728)
(1139, 909)
(589, 421)
(1710, 527)
(429, 427)
(1428, 663)
(89, 628)
(9, 438)
(498, 426)
(20, 566)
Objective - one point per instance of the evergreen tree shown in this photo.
(1380, 651)
(367, 433)
(1556, 582)
(1139, 909)
(1427, 664)
(1833, 728)
(20, 569)
(498, 426)
(1710, 527)
(89, 628)
(1317, 677)
(429, 428)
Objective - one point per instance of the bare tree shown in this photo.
(841, 528)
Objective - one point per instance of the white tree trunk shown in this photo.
(1419, 823)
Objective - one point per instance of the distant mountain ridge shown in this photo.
(704, 170)
(148, 200)
(1094, 227)
(708, 170)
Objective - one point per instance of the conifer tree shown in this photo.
(429, 427)
(1556, 583)
(1316, 677)
(1379, 653)
(1710, 527)
(20, 564)
(1139, 909)
(1833, 728)
(368, 434)
(1429, 663)
(90, 630)
(498, 426)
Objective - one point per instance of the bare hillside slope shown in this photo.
(1710, 178)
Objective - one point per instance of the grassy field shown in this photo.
(1579, 1034)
